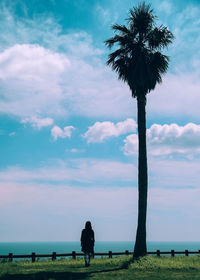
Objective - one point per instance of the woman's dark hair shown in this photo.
(88, 225)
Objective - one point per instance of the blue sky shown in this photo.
(68, 129)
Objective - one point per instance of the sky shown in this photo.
(68, 126)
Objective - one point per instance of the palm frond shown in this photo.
(116, 54)
(121, 66)
(159, 37)
(141, 18)
(122, 28)
(123, 41)
(160, 62)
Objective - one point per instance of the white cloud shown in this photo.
(57, 132)
(167, 139)
(178, 96)
(105, 16)
(103, 130)
(74, 150)
(29, 81)
(38, 122)
(22, 61)
(12, 133)
(165, 6)
(131, 145)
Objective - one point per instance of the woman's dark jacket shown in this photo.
(87, 241)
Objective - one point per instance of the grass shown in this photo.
(155, 268)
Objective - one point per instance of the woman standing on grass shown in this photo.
(87, 242)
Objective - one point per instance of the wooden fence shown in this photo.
(109, 254)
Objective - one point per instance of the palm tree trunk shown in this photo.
(140, 248)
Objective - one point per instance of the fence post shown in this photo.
(53, 256)
(10, 257)
(127, 252)
(110, 254)
(172, 253)
(33, 257)
(186, 253)
(74, 255)
(158, 253)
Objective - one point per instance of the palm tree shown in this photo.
(139, 62)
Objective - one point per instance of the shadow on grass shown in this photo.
(126, 264)
(46, 276)
(57, 275)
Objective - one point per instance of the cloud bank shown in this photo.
(167, 139)
(38, 122)
(103, 130)
(42, 75)
(80, 170)
(35, 220)
(29, 80)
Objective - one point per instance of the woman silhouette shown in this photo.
(87, 242)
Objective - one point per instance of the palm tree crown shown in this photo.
(138, 60)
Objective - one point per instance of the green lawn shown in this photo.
(156, 268)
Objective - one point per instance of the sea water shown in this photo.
(68, 247)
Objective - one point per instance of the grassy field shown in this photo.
(155, 268)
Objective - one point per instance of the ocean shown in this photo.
(68, 247)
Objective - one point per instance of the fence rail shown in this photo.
(109, 254)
